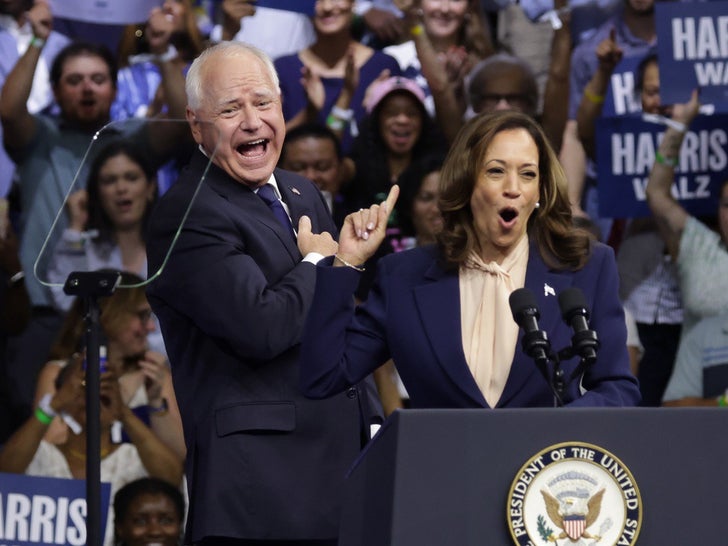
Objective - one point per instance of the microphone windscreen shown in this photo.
(572, 301)
(520, 300)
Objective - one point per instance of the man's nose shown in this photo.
(249, 119)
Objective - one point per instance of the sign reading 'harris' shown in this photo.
(692, 48)
(36, 511)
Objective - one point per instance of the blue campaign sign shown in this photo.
(692, 49)
(620, 98)
(626, 148)
(36, 511)
(300, 6)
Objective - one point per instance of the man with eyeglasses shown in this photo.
(506, 82)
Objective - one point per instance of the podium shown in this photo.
(444, 477)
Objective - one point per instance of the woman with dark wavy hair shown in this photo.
(442, 312)
(107, 220)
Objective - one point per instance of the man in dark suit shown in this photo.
(264, 464)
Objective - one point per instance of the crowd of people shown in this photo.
(319, 219)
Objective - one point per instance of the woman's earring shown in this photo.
(538, 204)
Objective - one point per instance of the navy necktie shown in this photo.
(268, 194)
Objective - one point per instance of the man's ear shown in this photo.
(195, 126)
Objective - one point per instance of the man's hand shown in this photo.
(609, 53)
(72, 392)
(156, 375)
(40, 19)
(685, 113)
(323, 243)
(160, 27)
(77, 205)
(233, 11)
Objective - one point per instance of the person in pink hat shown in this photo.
(396, 130)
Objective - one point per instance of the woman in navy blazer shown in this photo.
(441, 311)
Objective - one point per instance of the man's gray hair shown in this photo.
(193, 82)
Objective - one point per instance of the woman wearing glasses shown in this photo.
(145, 380)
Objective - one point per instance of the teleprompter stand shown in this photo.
(91, 285)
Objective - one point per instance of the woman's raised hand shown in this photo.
(363, 231)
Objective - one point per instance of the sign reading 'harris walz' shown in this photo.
(692, 49)
(36, 511)
(626, 147)
(574, 493)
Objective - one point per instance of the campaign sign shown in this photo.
(626, 147)
(112, 12)
(692, 49)
(35, 511)
(621, 98)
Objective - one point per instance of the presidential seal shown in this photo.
(574, 494)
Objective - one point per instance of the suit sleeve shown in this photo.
(216, 277)
(341, 344)
(608, 382)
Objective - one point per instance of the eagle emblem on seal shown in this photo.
(573, 501)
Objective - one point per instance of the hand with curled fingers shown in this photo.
(40, 18)
(314, 87)
(72, 390)
(160, 27)
(686, 112)
(351, 72)
(77, 205)
(156, 374)
(308, 241)
(363, 231)
(609, 53)
(110, 396)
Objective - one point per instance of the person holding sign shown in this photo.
(633, 33)
(27, 453)
(649, 286)
(700, 252)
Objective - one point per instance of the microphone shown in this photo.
(535, 342)
(584, 342)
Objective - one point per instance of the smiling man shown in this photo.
(264, 464)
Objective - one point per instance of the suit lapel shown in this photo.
(545, 285)
(301, 196)
(438, 304)
(251, 206)
(296, 201)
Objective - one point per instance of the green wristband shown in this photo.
(43, 417)
(334, 123)
(667, 161)
(35, 41)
